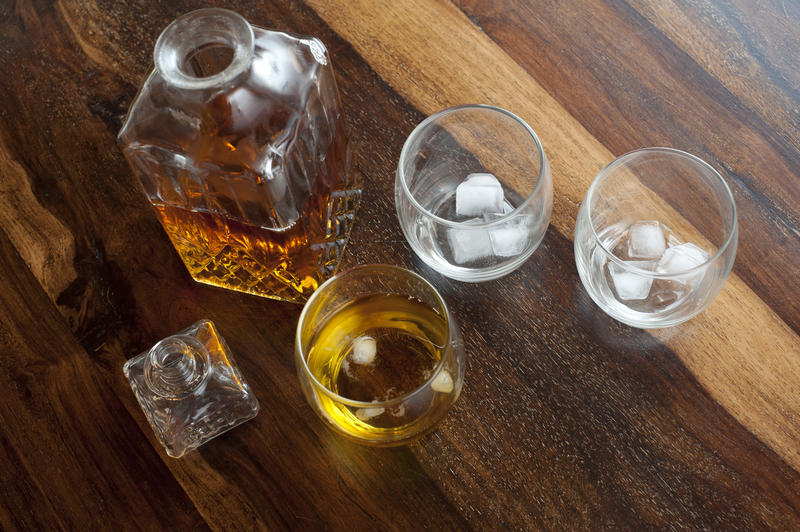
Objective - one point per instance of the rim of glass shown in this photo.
(299, 351)
(732, 231)
(425, 123)
(169, 63)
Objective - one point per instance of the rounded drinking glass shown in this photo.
(473, 192)
(378, 355)
(655, 237)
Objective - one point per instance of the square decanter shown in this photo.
(238, 139)
(190, 388)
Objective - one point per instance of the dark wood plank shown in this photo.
(747, 45)
(75, 458)
(24, 505)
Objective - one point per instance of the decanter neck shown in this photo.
(176, 366)
(218, 32)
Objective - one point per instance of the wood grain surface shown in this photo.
(568, 419)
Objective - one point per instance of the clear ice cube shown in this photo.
(479, 194)
(509, 239)
(482, 179)
(469, 244)
(646, 240)
(364, 350)
(680, 258)
(365, 414)
(628, 284)
(443, 383)
(507, 208)
(673, 240)
(665, 293)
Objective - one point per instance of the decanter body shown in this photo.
(190, 388)
(237, 137)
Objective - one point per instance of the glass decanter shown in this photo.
(190, 388)
(237, 137)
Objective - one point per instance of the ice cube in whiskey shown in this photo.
(383, 351)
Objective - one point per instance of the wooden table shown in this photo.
(568, 419)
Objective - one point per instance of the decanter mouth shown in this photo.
(200, 30)
(176, 366)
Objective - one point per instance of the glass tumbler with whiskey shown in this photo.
(237, 137)
(379, 356)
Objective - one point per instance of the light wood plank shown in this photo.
(711, 34)
(44, 243)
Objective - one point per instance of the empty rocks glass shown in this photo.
(656, 237)
(473, 192)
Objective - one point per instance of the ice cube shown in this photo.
(507, 208)
(364, 350)
(646, 240)
(365, 414)
(628, 284)
(443, 382)
(509, 239)
(346, 368)
(665, 292)
(482, 178)
(673, 240)
(469, 244)
(680, 258)
(479, 194)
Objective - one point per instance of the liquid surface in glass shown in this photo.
(378, 348)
